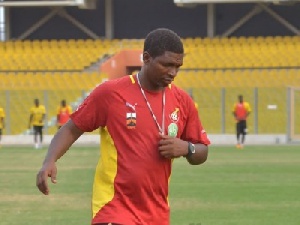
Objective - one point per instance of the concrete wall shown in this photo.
(94, 140)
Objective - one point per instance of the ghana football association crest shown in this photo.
(174, 115)
(131, 120)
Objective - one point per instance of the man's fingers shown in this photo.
(166, 155)
(53, 176)
(41, 183)
(165, 136)
(163, 153)
(166, 142)
(163, 148)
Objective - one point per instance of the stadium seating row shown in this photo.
(58, 55)
(241, 40)
(17, 91)
(238, 78)
(269, 121)
(184, 79)
(50, 81)
(209, 100)
(213, 69)
(208, 88)
(201, 53)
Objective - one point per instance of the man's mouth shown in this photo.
(168, 80)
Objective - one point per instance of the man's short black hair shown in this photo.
(159, 41)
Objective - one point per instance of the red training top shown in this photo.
(131, 180)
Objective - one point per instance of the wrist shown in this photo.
(191, 149)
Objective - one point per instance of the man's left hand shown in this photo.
(172, 147)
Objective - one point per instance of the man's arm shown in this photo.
(248, 113)
(248, 108)
(3, 122)
(234, 111)
(200, 155)
(59, 145)
(43, 118)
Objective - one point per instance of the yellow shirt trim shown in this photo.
(106, 171)
(132, 79)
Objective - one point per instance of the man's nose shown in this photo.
(173, 71)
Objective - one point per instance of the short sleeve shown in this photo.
(69, 109)
(248, 108)
(92, 113)
(194, 131)
(234, 107)
(2, 113)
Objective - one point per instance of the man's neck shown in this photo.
(147, 85)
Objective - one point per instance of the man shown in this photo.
(241, 111)
(63, 113)
(36, 119)
(145, 123)
(2, 122)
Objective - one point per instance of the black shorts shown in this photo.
(241, 127)
(0, 132)
(38, 129)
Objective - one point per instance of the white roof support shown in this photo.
(256, 10)
(184, 2)
(261, 5)
(63, 13)
(109, 19)
(38, 24)
(242, 21)
(211, 20)
(280, 19)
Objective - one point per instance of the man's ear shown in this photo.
(146, 57)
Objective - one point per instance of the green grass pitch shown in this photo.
(259, 185)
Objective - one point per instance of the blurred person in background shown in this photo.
(36, 120)
(63, 113)
(241, 111)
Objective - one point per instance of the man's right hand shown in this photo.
(48, 170)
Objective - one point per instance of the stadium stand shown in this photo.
(261, 66)
(50, 88)
(56, 69)
(242, 52)
(58, 55)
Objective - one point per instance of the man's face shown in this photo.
(162, 70)
(240, 99)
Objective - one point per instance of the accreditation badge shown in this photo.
(172, 129)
